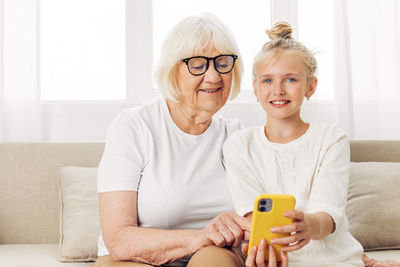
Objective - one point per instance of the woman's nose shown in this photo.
(212, 75)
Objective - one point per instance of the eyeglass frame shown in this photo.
(186, 60)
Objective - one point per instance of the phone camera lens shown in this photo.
(263, 202)
(262, 208)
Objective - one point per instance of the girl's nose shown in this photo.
(279, 90)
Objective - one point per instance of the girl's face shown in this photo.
(281, 84)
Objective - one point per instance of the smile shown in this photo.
(210, 91)
(280, 102)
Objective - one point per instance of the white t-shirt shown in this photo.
(179, 177)
(313, 168)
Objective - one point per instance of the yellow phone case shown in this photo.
(262, 221)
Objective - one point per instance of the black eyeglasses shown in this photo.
(199, 65)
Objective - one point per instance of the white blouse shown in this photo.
(314, 168)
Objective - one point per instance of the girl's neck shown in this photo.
(285, 131)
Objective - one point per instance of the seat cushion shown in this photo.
(34, 255)
(384, 255)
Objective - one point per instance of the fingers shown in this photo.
(294, 214)
(227, 226)
(218, 239)
(246, 236)
(237, 234)
(245, 249)
(285, 261)
(295, 247)
(289, 239)
(250, 260)
(260, 257)
(244, 223)
(272, 257)
(293, 227)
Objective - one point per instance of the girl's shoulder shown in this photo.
(242, 138)
(329, 131)
(327, 135)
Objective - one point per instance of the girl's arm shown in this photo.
(125, 240)
(328, 196)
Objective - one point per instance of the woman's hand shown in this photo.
(301, 229)
(255, 258)
(227, 229)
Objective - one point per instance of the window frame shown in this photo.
(139, 55)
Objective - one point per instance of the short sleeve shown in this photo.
(241, 178)
(122, 162)
(330, 186)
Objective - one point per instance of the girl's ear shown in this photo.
(312, 85)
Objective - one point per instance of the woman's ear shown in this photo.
(312, 85)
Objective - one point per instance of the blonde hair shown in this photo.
(190, 37)
(281, 40)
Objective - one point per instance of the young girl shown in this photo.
(290, 156)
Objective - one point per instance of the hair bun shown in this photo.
(280, 29)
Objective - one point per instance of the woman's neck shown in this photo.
(285, 131)
(189, 121)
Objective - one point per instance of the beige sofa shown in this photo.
(31, 208)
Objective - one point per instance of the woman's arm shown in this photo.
(125, 240)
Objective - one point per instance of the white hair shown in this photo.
(188, 38)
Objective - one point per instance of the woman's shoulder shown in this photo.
(137, 119)
(145, 110)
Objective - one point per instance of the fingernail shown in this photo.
(255, 248)
(273, 229)
(286, 213)
(273, 241)
(283, 249)
(271, 248)
(262, 242)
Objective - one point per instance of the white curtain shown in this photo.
(20, 110)
(367, 68)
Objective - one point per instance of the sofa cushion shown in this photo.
(27, 255)
(373, 207)
(79, 222)
(384, 255)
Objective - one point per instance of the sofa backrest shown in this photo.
(378, 151)
(29, 195)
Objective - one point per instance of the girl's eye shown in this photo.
(267, 81)
(291, 80)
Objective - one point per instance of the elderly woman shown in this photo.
(163, 194)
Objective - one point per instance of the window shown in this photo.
(315, 20)
(89, 49)
(82, 49)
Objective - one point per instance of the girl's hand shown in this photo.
(255, 258)
(301, 230)
(227, 229)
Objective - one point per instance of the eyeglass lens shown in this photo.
(199, 65)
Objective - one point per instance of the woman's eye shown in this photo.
(291, 80)
(198, 67)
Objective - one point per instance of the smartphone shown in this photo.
(267, 213)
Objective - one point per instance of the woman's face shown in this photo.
(282, 84)
(207, 92)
